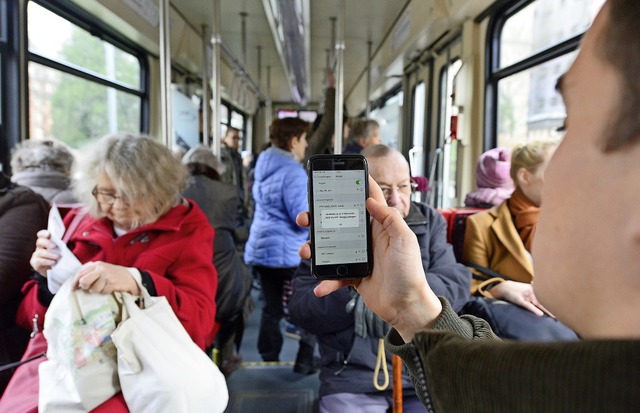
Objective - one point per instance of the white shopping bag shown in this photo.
(80, 372)
(160, 368)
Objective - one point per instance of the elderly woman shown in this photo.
(45, 167)
(280, 193)
(139, 231)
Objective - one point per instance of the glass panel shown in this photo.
(224, 115)
(529, 108)
(237, 120)
(388, 116)
(75, 110)
(58, 39)
(416, 158)
(542, 24)
(450, 147)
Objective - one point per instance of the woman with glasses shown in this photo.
(139, 230)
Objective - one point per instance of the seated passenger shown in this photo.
(22, 214)
(497, 244)
(45, 167)
(222, 205)
(493, 181)
(348, 332)
(364, 133)
(500, 238)
(587, 253)
(139, 229)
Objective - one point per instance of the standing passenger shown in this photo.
(232, 160)
(280, 193)
(364, 133)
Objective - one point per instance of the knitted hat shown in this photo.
(492, 170)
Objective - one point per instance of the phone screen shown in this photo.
(340, 221)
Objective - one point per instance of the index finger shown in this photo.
(375, 192)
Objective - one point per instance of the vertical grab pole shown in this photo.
(206, 53)
(215, 78)
(368, 110)
(166, 128)
(397, 384)
(339, 78)
(268, 109)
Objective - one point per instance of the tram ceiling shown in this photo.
(366, 21)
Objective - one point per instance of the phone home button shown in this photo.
(342, 270)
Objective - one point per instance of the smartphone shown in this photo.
(340, 228)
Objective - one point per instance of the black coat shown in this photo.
(348, 360)
(22, 214)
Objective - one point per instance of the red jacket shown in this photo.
(177, 253)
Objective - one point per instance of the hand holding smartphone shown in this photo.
(340, 226)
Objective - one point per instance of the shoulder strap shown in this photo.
(488, 272)
(74, 224)
(15, 364)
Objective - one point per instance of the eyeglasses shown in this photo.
(404, 188)
(107, 198)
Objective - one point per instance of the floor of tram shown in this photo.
(269, 387)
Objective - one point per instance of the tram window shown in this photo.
(224, 114)
(389, 116)
(55, 38)
(529, 107)
(237, 120)
(542, 24)
(80, 85)
(535, 45)
(73, 109)
(417, 154)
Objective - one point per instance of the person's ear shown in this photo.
(524, 177)
(291, 141)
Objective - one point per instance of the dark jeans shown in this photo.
(270, 336)
(276, 285)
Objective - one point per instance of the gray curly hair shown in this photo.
(145, 172)
(41, 155)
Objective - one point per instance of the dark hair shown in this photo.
(620, 46)
(282, 131)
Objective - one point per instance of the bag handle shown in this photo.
(489, 273)
(129, 305)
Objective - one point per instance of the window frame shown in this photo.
(95, 27)
(494, 74)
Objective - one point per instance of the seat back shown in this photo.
(456, 219)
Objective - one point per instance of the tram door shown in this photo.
(446, 131)
(418, 81)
